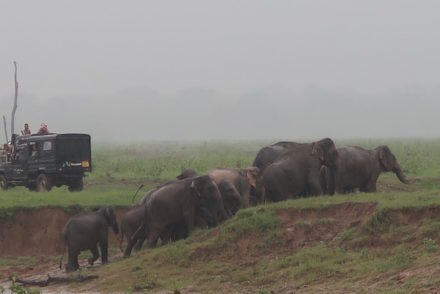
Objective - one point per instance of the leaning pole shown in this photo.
(15, 100)
(6, 130)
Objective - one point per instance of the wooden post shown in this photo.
(15, 100)
(6, 130)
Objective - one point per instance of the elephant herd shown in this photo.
(280, 171)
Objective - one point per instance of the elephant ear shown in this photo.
(252, 174)
(386, 158)
(317, 150)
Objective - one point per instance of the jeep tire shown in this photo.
(43, 183)
(3, 183)
(76, 185)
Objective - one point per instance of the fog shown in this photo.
(242, 69)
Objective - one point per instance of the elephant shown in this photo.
(131, 221)
(177, 202)
(84, 232)
(232, 200)
(185, 174)
(269, 154)
(230, 196)
(241, 179)
(298, 171)
(359, 168)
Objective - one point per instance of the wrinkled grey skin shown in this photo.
(132, 220)
(232, 200)
(173, 232)
(269, 154)
(174, 203)
(241, 179)
(230, 196)
(360, 168)
(84, 232)
(298, 171)
(129, 224)
(266, 156)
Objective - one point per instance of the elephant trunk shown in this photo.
(327, 178)
(401, 176)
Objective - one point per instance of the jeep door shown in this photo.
(18, 171)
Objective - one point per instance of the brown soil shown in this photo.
(37, 232)
(308, 227)
(298, 229)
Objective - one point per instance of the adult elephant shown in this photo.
(360, 168)
(231, 184)
(240, 183)
(84, 232)
(270, 154)
(298, 171)
(174, 203)
(132, 220)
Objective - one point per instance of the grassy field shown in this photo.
(119, 170)
(391, 249)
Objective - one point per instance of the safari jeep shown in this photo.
(40, 162)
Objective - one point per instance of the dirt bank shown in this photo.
(37, 231)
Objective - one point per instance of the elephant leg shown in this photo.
(370, 187)
(104, 251)
(141, 231)
(166, 235)
(95, 255)
(152, 240)
(72, 260)
(189, 219)
(139, 244)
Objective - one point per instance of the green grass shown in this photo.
(209, 261)
(118, 170)
(19, 198)
(247, 252)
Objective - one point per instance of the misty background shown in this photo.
(230, 69)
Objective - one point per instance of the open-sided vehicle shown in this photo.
(40, 162)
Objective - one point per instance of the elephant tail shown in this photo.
(122, 240)
(135, 194)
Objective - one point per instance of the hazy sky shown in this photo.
(223, 69)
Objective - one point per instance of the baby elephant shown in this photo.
(84, 232)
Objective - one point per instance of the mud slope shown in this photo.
(37, 231)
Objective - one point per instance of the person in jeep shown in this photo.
(26, 131)
(43, 129)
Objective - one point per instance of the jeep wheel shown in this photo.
(76, 186)
(43, 183)
(3, 183)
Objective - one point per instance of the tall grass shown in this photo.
(166, 160)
